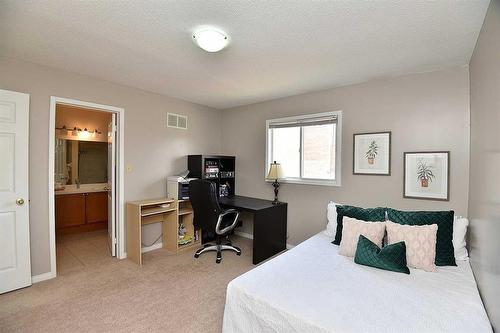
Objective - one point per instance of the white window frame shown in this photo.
(338, 150)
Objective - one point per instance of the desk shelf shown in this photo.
(140, 213)
(186, 218)
(192, 245)
(185, 212)
(150, 219)
(156, 210)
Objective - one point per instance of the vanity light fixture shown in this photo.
(77, 131)
(84, 134)
(210, 40)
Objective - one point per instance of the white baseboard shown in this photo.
(243, 234)
(250, 236)
(152, 247)
(43, 277)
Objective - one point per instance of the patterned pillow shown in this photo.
(390, 257)
(420, 243)
(365, 214)
(353, 228)
(445, 255)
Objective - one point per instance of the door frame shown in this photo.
(120, 218)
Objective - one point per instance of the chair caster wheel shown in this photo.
(196, 255)
(238, 253)
(217, 261)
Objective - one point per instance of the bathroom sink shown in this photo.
(84, 188)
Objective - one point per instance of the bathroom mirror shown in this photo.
(81, 161)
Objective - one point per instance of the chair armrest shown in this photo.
(230, 227)
(229, 211)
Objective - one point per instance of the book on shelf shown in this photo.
(185, 240)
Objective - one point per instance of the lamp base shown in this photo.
(276, 186)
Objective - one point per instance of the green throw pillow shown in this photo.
(445, 254)
(390, 257)
(363, 214)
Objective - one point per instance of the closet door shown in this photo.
(15, 266)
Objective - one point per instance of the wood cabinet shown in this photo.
(97, 207)
(70, 210)
(81, 212)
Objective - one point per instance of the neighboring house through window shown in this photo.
(308, 147)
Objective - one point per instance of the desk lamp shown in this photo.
(275, 173)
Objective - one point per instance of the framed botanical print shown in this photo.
(427, 175)
(372, 154)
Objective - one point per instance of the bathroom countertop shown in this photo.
(84, 188)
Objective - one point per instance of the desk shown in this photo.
(170, 213)
(269, 224)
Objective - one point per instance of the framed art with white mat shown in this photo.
(372, 154)
(427, 175)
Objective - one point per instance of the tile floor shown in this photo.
(75, 252)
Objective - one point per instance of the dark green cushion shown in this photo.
(445, 254)
(364, 214)
(390, 257)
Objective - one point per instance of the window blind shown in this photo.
(314, 121)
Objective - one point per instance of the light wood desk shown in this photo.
(171, 213)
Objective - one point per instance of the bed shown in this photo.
(313, 289)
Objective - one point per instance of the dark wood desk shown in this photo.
(269, 224)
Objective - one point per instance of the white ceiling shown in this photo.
(277, 48)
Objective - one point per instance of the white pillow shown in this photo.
(459, 232)
(352, 229)
(331, 215)
(420, 241)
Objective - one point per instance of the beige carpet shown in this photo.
(96, 293)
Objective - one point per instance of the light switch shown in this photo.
(129, 168)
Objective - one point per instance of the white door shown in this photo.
(112, 184)
(15, 266)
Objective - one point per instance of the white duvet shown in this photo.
(313, 289)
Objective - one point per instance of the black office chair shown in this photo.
(208, 215)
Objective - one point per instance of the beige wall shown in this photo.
(71, 117)
(424, 112)
(427, 111)
(484, 197)
(152, 150)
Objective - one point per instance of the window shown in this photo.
(307, 147)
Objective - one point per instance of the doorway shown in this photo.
(85, 184)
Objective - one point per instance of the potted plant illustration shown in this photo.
(424, 173)
(372, 152)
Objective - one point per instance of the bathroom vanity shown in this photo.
(81, 209)
(81, 185)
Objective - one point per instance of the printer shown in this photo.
(178, 187)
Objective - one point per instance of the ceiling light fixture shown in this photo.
(210, 40)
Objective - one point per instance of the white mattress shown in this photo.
(313, 289)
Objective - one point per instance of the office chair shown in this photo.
(208, 215)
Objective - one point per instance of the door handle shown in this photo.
(20, 202)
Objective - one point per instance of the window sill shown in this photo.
(307, 182)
